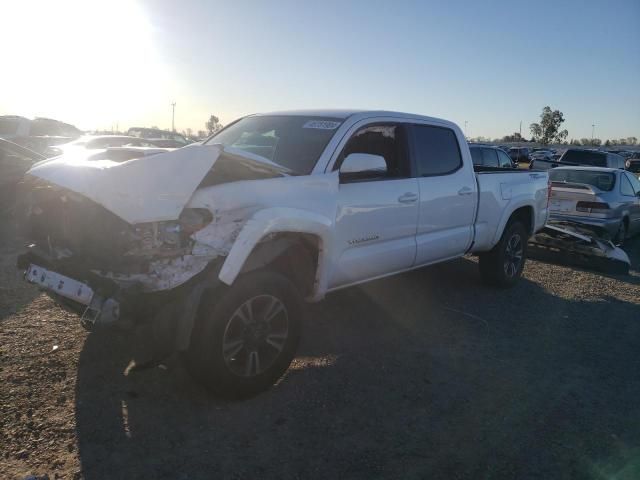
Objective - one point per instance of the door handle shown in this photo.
(465, 191)
(408, 198)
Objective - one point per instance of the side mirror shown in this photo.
(363, 165)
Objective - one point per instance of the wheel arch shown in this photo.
(524, 212)
(279, 234)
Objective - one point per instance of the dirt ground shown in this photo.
(429, 374)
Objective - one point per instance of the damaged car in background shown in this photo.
(211, 249)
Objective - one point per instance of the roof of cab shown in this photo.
(347, 113)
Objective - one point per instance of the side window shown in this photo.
(625, 186)
(490, 158)
(436, 149)
(386, 140)
(476, 155)
(635, 183)
(503, 158)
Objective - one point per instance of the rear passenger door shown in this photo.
(448, 195)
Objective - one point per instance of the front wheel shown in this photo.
(503, 265)
(247, 336)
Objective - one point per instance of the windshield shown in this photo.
(601, 180)
(294, 142)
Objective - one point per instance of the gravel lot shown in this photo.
(424, 375)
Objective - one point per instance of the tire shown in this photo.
(235, 351)
(621, 234)
(503, 265)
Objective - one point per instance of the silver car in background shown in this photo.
(607, 198)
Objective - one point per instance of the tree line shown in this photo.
(548, 131)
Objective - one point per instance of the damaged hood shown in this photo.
(153, 188)
(146, 189)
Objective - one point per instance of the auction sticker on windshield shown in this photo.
(321, 124)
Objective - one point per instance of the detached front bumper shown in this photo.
(610, 225)
(166, 316)
(94, 309)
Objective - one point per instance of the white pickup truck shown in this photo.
(213, 247)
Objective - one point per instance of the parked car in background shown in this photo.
(633, 163)
(122, 154)
(39, 134)
(160, 138)
(519, 154)
(541, 154)
(117, 148)
(605, 198)
(15, 160)
(96, 142)
(489, 156)
(594, 158)
(623, 153)
(577, 156)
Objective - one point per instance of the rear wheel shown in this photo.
(503, 265)
(247, 336)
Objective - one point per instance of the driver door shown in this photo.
(377, 214)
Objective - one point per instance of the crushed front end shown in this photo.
(110, 272)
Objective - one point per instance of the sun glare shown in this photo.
(90, 60)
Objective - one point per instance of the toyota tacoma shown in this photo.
(213, 248)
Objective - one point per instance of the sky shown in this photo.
(493, 64)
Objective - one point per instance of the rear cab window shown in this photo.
(436, 150)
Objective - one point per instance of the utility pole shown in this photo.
(520, 130)
(173, 116)
(593, 129)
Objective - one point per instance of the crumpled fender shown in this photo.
(278, 220)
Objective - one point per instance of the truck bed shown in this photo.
(501, 192)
